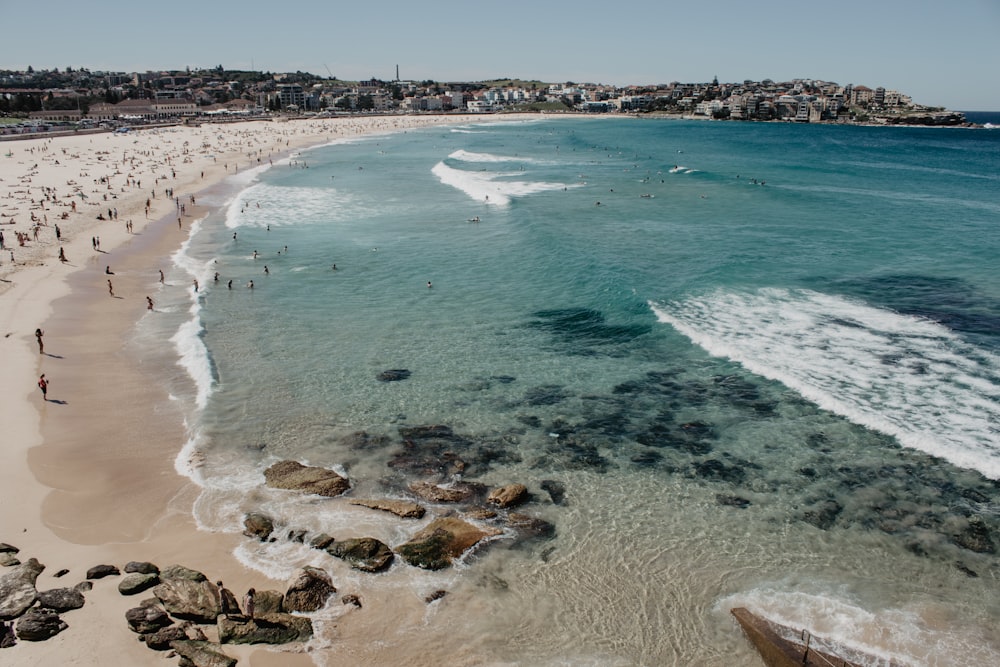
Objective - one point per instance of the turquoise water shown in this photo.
(762, 359)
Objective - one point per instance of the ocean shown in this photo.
(735, 364)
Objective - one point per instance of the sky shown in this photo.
(940, 53)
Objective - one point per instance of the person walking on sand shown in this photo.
(149, 303)
(41, 345)
(62, 255)
(43, 384)
(111, 289)
(249, 600)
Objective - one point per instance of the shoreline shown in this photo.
(88, 475)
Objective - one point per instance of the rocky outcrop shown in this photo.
(309, 590)
(441, 542)
(17, 589)
(401, 508)
(162, 638)
(258, 525)
(508, 496)
(39, 624)
(201, 654)
(294, 476)
(266, 629)
(269, 602)
(363, 553)
(188, 595)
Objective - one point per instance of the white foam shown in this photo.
(467, 156)
(486, 186)
(262, 205)
(911, 378)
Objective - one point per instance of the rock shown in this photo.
(61, 573)
(441, 542)
(84, 586)
(297, 477)
(363, 553)
(101, 571)
(186, 631)
(61, 599)
(17, 589)
(266, 629)
(530, 526)
(7, 637)
(8, 549)
(202, 654)
(258, 525)
(140, 568)
(732, 501)
(8, 559)
(147, 617)
(269, 602)
(824, 514)
(556, 490)
(481, 514)
(39, 624)
(976, 537)
(401, 508)
(508, 496)
(298, 536)
(137, 582)
(393, 375)
(351, 599)
(309, 590)
(188, 595)
(456, 493)
(320, 541)
(436, 595)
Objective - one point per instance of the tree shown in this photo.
(343, 103)
(366, 103)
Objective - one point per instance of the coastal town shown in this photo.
(44, 100)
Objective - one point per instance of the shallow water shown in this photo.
(763, 367)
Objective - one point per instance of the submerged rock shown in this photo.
(454, 493)
(258, 525)
(555, 489)
(976, 537)
(823, 514)
(508, 496)
(441, 542)
(294, 476)
(393, 375)
(401, 508)
(364, 553)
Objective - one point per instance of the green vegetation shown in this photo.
(538, 106)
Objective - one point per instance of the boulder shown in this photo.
(401, 508)
(309, 590)
(441, 542)
(320, 541)
(201, 654)
(8, 549)
(137, 582)
(351, 599)
(7, 638)
(297, 477)
(147, 617)
(17, 589)
(61, 599)
(140, 567)
(39, 624)
(508, 496)
(269, 602)
(258, 525)
(101, 571)
(362, 553)
(266, 629)
(9, 559)
(188, 595)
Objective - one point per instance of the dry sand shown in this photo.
(88, 477)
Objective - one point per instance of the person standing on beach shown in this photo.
(249, 600)
(161, 276)
(43, 384)
(111, 289)
(41, 345)
(230, 607)
(62, 255)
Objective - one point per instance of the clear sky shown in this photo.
(942, 53)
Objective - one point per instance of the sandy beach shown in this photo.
(88, 476)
